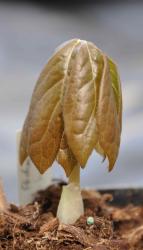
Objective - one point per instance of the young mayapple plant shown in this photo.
(76, 107)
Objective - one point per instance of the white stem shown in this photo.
(71, 204)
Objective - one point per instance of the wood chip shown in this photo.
(50, 226)
(72, 233)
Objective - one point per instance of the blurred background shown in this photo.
(29, 33)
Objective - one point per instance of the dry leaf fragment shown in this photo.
(71, 233)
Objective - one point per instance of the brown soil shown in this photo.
(35, 226)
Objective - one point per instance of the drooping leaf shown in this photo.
(116, 85)
(76, 107)
(80, 101)
(65, 156)
(107, 117)
(97, 59)
(43, 127)
(99, 150)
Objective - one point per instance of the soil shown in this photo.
(36, 227)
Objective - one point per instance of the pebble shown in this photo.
(90, 220)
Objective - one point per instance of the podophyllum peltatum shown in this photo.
(76, 107)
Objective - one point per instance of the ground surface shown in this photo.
(36, 227)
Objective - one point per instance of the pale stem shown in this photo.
(75, 175)
(71, 204)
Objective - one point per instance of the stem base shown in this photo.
(70, 205)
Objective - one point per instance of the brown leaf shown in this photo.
(43, 127)
(99, 150)
(80, 101)
(107, 117)
(116, 85)
(65, 156)
(76, 106)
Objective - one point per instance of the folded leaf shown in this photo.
(76, 107)
(99, 150)
(107, 117)
(80, 101)
(97, 59)
(65, 156)
(116, 85)
(43, 127)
